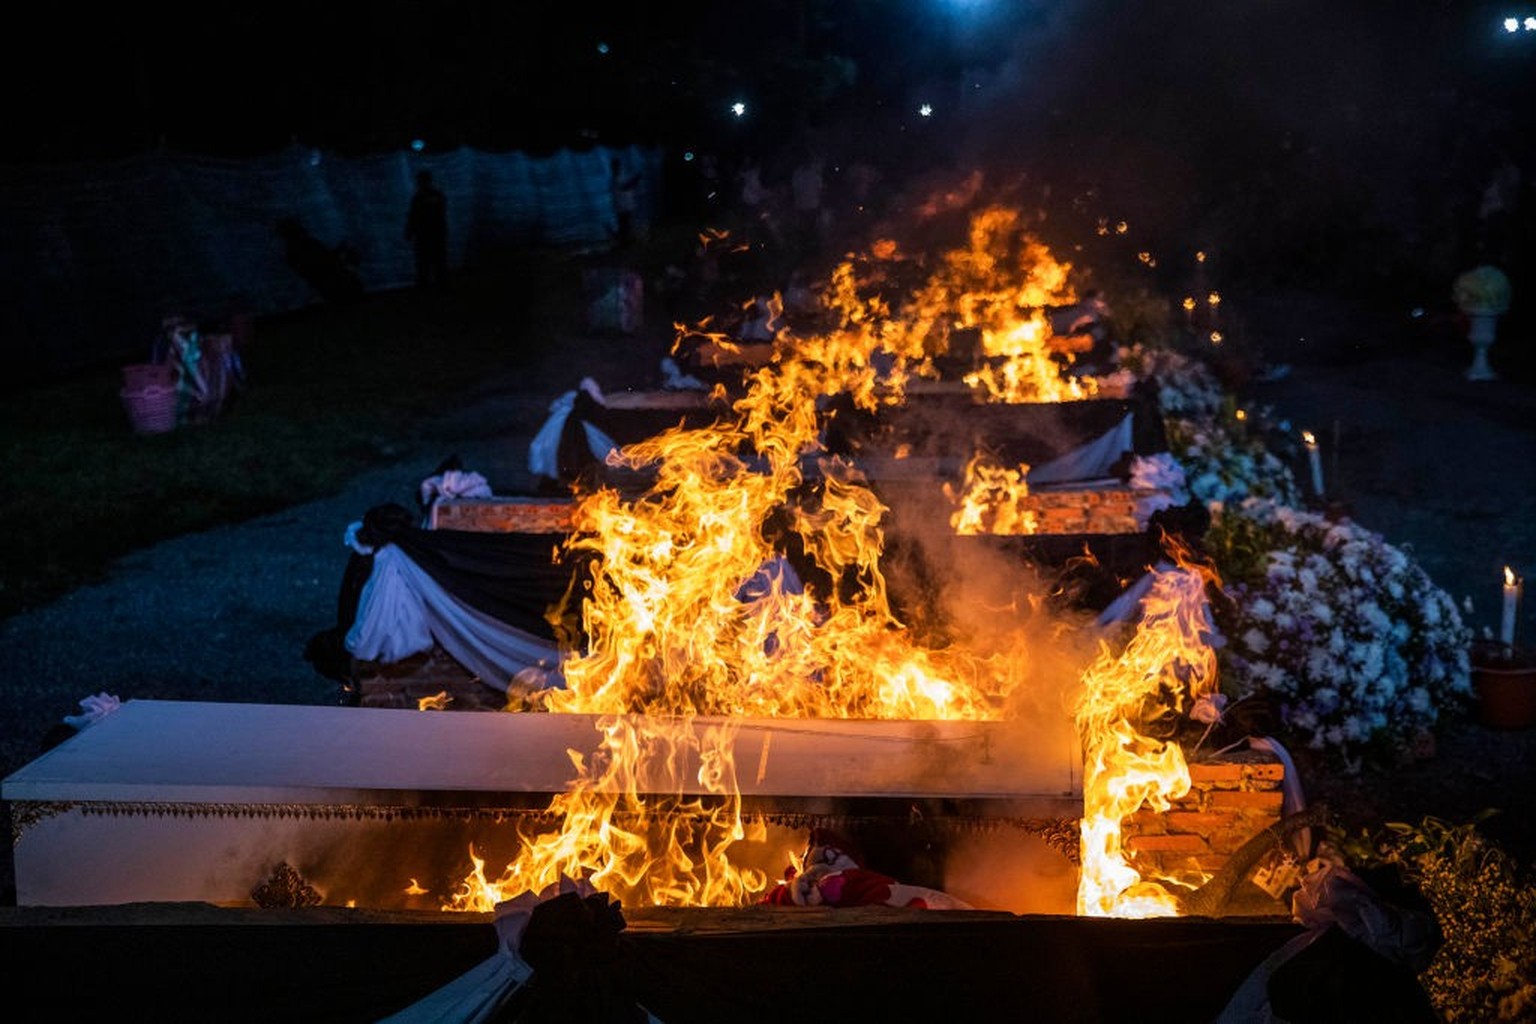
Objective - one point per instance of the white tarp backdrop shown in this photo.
(95, 254)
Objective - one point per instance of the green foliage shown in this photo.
(1240, 546)
(1485, 903)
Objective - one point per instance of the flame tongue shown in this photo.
(1167, 663)
(993, 500)
(612, 826)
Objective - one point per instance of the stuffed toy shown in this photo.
(832, 874)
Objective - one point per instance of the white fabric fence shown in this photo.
(95, 254)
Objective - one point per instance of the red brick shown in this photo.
(1218, 771)
(1145, 823)
(1168, 844)
(1264, 800)
(1203, 822)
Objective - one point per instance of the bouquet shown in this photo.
(1345, 632)
(1482, 290)
(1221, 449)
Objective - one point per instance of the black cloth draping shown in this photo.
(516, 578)
(574, 457)
(955, 426)
(512, 577)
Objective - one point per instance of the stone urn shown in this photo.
(1482, 294)
(1504, 679)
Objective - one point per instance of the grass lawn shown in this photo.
(330, 392)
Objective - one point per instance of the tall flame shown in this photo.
(1000, 285)
(1167, 663)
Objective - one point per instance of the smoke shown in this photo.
(1212, 125)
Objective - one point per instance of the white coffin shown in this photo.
(181, 801)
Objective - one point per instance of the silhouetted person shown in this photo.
(426, 228)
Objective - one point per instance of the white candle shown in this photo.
(1316, 460)
(1512, 588)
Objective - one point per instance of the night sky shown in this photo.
(1185, 111)
(237, 78)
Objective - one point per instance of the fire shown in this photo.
(1022, 366)
(1167, 663)
(746, 580)
(613, 829)
(993, 500)
(1001, 286)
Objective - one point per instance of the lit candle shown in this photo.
(1512, 588)
(1316, 461)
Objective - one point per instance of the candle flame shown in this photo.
(1306, 435)
(1509, 576)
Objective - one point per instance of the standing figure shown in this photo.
(426, 228)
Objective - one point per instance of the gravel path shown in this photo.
(1425, 457)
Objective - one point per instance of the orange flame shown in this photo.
(993, 500)
(1167, 663)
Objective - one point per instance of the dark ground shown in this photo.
(1434, 462)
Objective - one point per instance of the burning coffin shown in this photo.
(241, 804)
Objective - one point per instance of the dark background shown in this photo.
(239, 79)
(1308, 143)
(1194, 114)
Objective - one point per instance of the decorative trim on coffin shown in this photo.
(1061, 834)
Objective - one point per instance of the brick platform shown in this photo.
(502, 515)
(1229, 802)
(1099, 510)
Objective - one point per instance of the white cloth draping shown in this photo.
(402, 611)
(544, 451)
(1092, 461)
(477, 994)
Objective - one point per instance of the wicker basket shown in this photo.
(141, 375)
(151, 408)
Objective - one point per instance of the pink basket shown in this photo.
(151, 408)
(141, 375)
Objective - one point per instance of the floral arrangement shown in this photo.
(1482, 290)
(1345, 632)
(1484, 903)
(1225, 463)
(1160, 481)
(1222, 451)
(1186, 387)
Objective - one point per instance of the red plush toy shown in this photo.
(834, 876)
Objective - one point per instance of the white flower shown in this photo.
(1354, 636)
